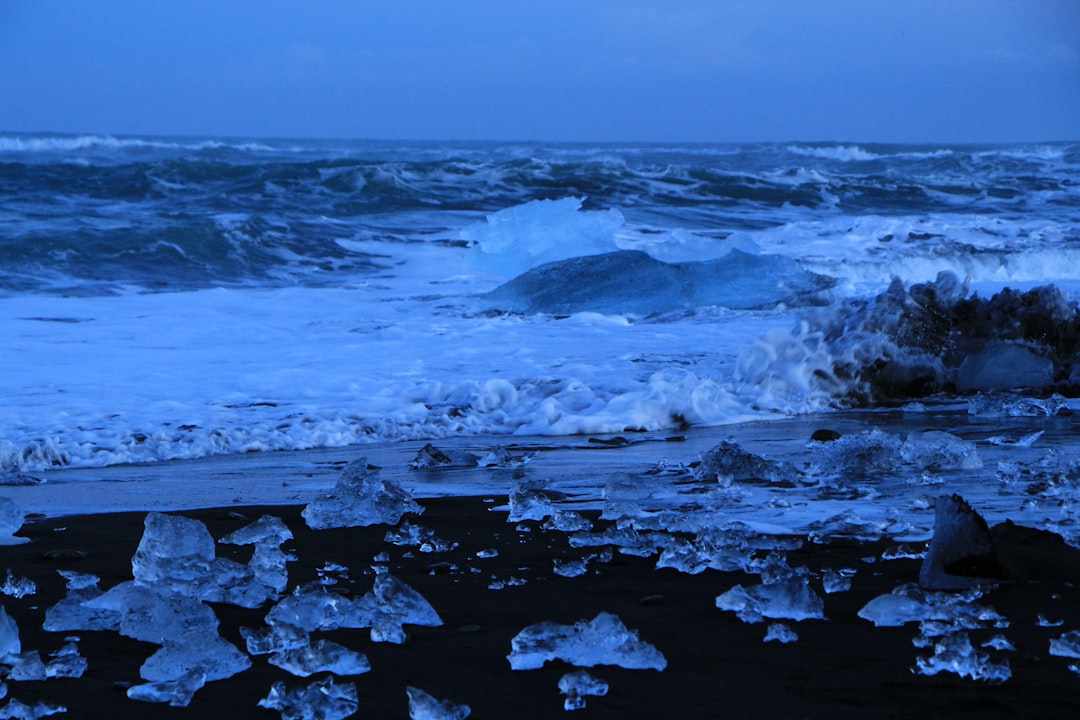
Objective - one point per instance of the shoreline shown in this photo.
(717, 665)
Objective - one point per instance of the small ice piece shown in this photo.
(1015, 440)
(955, 654)
(500, 457)
(18, 587)
(430, 457)
(628, 540)
(938, 450)
(503, 584)
(961, 544)
(867, 452)
(312, 609)
(999, 642)
(790, 599)
(487, 553)
(360, 498)
(11, 519)
(322, 699)
(9, 635)
(425, 538)
(1043, 621)
(148, 615)
(66, 662)
(728, 460)
(268, 560)
(1068, 645)
(834, 581)
(577, 685)
(274, 638)
(391, 604)
(71, 614)
(16, 710)
(26, 665)
(177, 693)
(425, 707)
(1016, 405)
(528, 502)
(567, 521)
(322, 656)
(910, 603)
(780, 632)
(604, 640)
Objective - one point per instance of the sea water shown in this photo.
(166, 298)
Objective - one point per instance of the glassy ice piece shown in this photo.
(1068, 645)
(938, 450)
(500, 457)
(26, 665)
(177, 693)
(955, 654)
(215, 656)
(18, 587)
(322, 656)
(71, 614)
(360, 498)
(577, 685)
(572, 567)
(418, 536)
(16, 710)
(312, 609)
(274, 638)
(628, 540)
(322, 699)
(1026, 440)
(146, 614)
(604, 640)
(567, 521)
(779, 632)
(790, 599)
(425, 707)
(66, 662)
(868, 452)
(1000, 642)
(834, 581)
(174, 553)
(1016, 405)
(910, 603)
(430, 457)
(728, 460)
(268, 560)
(11, 519)
(391, 604)
(528, 502)
(9, 635)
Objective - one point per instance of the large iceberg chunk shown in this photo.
(604, 640)
(629, 281)
(360, 498)
(521, 237)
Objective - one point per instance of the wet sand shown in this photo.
(718, 666)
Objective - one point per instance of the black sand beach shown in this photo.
(718, 666)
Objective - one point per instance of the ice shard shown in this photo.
(177, 693)
(789, 599)
(423, 706)
(577, 685)
(321, 700)
(268, 561)
(360, 498)
(321, 656)
(955, 654)
(604, 640)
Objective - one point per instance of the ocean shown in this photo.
(167, 298)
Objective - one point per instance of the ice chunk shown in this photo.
(1068, 645)
(604, 640)
(629, 281)
(418, 536)
(938, 450)
(728, 548)
(275, 638)
(1017, 406)
(360, 498)
(577, 685)
(567, 521)
(910, 603)
(214, 655)
(267, 562)
(500, 457)
(9, 635)
(955, 654)
(430, 457)
(26, 665)
(517, 238)
(322, 699)
(628, 540)
(834, 581)
(1004, 366)
(961, 553)
(779, 632)
(729, 460)
(391, 604)
(788, 599)
(425, 707)
(18, 587)
(313, 609)
(148, 615)
(11, 519)
(999, 642)
(322, 656)
(528, 501)
(16, 710)
(177, 693)
(66, 662)
(174, 554)
(71, 614)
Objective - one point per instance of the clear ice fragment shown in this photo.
(18, 587)
(604, 640)
(360, 498)
(529, 502)
(321, 700)
(274, 638)
(9, 635)
(423, 706)
(16, 710)
(834, 581)
(66, 662)
(1068, 645)
(779, 632)
(177, 693)
(322, 656)
(71, 614)
(26, 665)
(11, 519)
(955, 654)
(577, 685)
(790, 599)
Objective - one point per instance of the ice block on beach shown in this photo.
(360, 498)
(604, 640)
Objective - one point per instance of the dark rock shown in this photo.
(825, 435)
(962, 552)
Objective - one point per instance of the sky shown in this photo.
(547, 70)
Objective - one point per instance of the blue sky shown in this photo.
(590, 70)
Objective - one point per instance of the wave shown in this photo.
(843, 153)
(69, 143)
